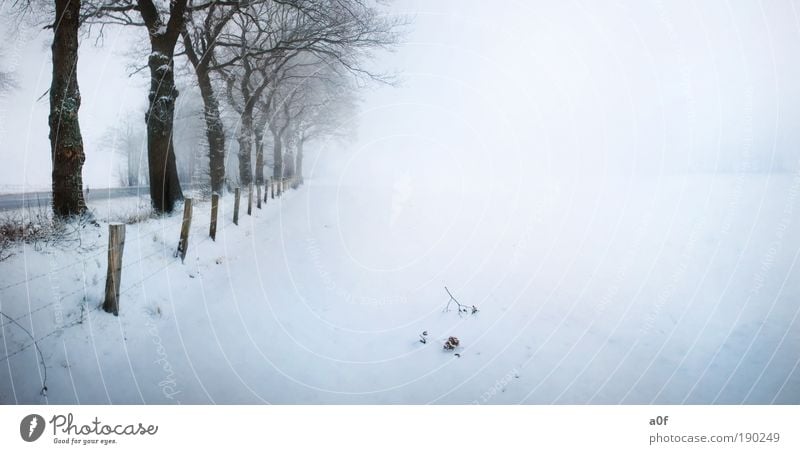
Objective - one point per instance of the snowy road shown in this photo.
(43, 199)
(681, 289)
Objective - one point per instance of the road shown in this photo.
(37, 199)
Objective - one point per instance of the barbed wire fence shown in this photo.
(172, 222)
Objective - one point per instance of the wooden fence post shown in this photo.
(116, 243)
(236, 206)
(214, 205)
(266, 191)
(183, 243)
(273, 188)
(250, 199)
(258, 196)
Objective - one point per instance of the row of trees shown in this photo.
(289, 68)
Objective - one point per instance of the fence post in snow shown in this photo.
(250, 199)
(236, 206)
(214, 206)
(266, 191)
(183, 243)
(273, 188)
(258, 196)
(116, 242)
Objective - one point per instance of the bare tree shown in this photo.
(305, 103)
(203, 34)
(325, 113)
(290, 35)
(164, 23)
(247, 43)
(278, 126)
(165, 189)
(66, 142)
(264, 35)
(283, 102)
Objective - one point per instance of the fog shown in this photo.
(614, 88)
(610, 88)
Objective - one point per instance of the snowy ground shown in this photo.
(672, 289)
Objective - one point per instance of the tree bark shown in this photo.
(66, 142)
(245, 147)
(165, 188)
(259, 136)
(215, 132)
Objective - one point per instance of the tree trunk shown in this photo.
(245, 147)
(215, 132)
(277, 155)
(298, 168)
(165, 188)
(259, 136)
(66, 142)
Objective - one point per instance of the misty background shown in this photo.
(487, 90)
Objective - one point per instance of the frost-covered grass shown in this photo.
(670, 289)
(15, 228)
(36, 228)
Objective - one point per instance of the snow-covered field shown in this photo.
(668, 289)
